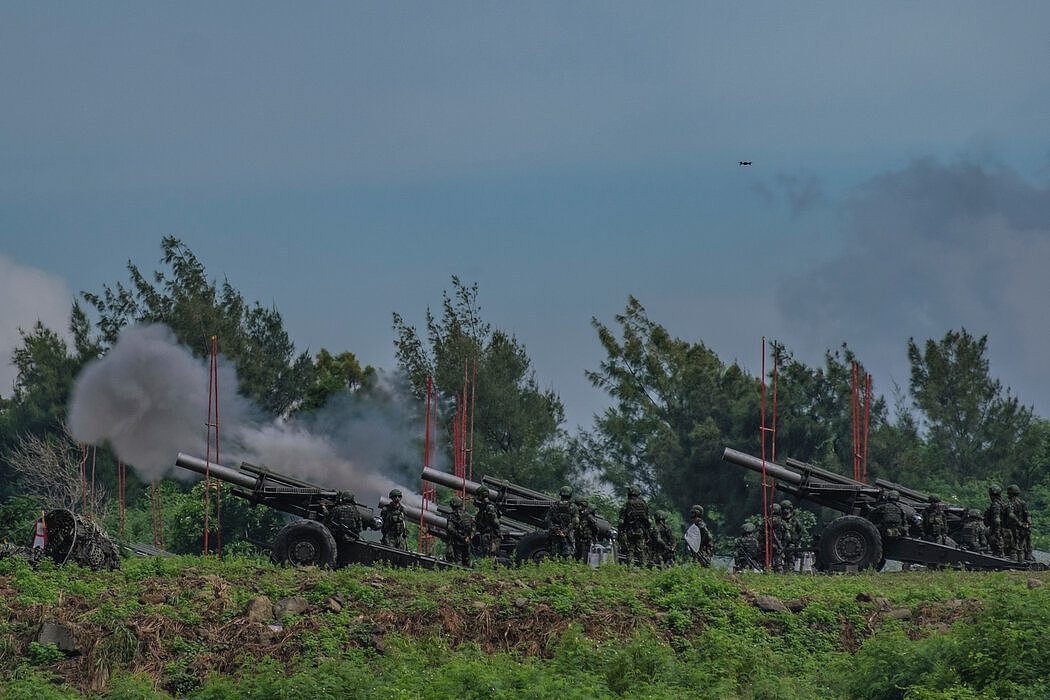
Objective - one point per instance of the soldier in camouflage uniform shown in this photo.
(971, 534)
(776, 530)
(561, 522)
(935, 521)
(343, 519)
(746, 550)
(888, 516)
(487, 523)
(790, 536)
(998, 518)
(395, 534)
(706, 551)
(586, 529)
(460, 530)
(634, 528)
(1021, 523)
(662, 546)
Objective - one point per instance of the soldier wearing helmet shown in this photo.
(698, 537)
(635, 528)
(998, 518)
(343, 519)
(888, 516)
(562, 520)
(662, 545)
(395, 533)
(1020, 523)
(971, 534)
(935, 521)
(586, 529)
(460, 530)
(746, 550)
(487, 524)
(789, 537)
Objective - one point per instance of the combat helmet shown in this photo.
(635, 490)
(787, 505)
(893, 495)
(748, 528)
(661, 516)
(696, 511)
(1013, 490)
(995, 490)
(481, 495)
(973, 513)
(456, 503)
(934, 498)
(345, 496)
(582, 502)
(395, 493)
(775, 508)
(566, 493)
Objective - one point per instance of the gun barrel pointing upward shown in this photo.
(742, 459)
(454, 482)
(218, 471)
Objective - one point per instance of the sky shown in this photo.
(342, 161)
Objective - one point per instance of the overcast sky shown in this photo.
(342, 160)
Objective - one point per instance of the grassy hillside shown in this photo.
(193, 627)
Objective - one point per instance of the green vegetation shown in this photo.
(180, 626)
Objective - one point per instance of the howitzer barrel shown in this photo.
(220, 472)
(454, 482)
(742, 459)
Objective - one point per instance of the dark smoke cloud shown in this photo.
(932, 247)
(148, 398)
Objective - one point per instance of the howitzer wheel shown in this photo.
(850, 542)
(305, 543)
(532, 547)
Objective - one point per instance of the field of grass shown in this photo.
(181, 627)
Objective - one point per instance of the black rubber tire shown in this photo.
(532, 548)
(850, 541)
(305, 543)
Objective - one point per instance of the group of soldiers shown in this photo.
(785, 541)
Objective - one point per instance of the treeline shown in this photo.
(674, 404)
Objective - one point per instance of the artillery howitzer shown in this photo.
(851, 541)
(309, 540)
(523, 514)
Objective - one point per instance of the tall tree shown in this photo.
(516, 424)
(975, 427)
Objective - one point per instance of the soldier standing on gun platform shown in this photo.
(935, 521)
(1021, 522)
(487, 523)
(586, 529)
(460, 531)
(561, 525)
(705, 543)
(634, 528)
(395, 534)
(663, 542)
(972, 536)
(997, 518)
(746, 554)
(344, 520)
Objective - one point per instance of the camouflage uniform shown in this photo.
(790, 536)
(635, 528)
(776, 533)
(586, 529)
(1021, 523)
(663, 543)
(971, 535)
(746, 550)
(888, 516)
(561, 522)
(935, 521)
(343, 519)
(706, 552)
(487, 524)
(395, 534)
(460, 530)
(998, 518)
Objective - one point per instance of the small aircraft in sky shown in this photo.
(745, 162)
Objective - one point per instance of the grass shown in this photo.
(163, 627)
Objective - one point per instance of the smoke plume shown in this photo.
(148, 398)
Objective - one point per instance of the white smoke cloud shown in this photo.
(929, 248)
(148, 398)
(28, 295)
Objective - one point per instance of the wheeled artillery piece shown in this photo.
(852, 542)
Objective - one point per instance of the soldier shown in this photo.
(1021, 522)
(460, 531)
(998, 518)
(935, 521)
(971, 535)
(343, 519)
(635, 527)
(663, 542)
(705, 548)
(746, 554)
(776, 530)
(888, 516)
(487, 524)
(395, 534)
(562, 519)
(586, 529)
(790, 535)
